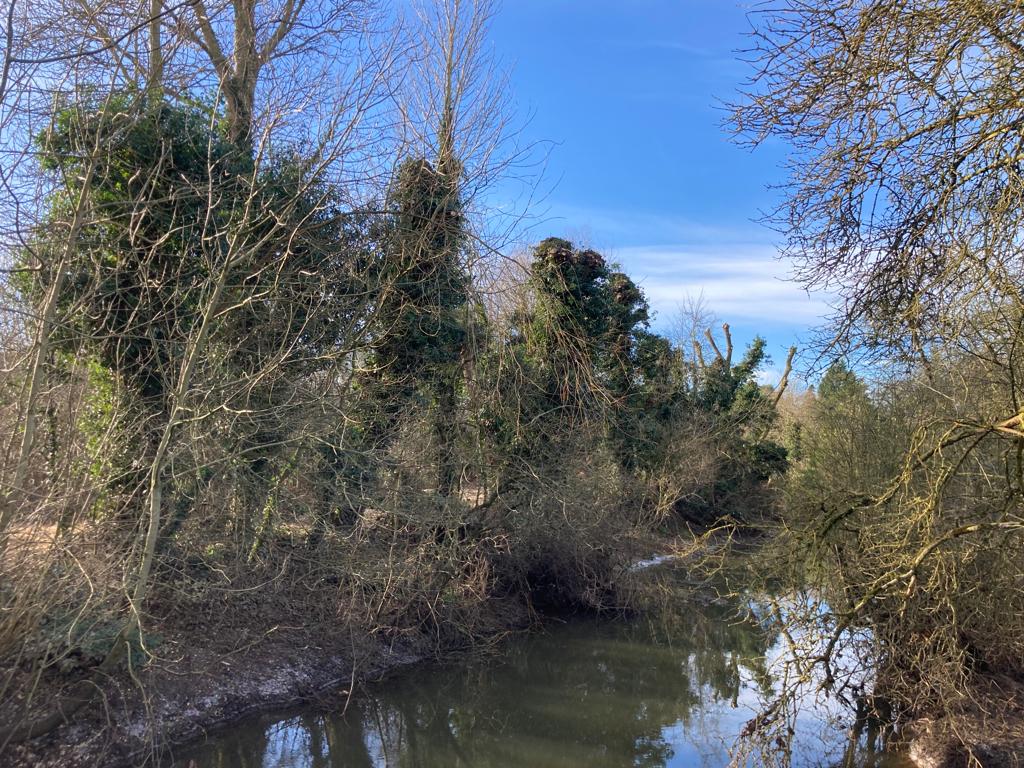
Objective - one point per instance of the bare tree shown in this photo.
(904, 187)
(246, 40)
(904, 197)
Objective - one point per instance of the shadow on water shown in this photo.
(674, 690)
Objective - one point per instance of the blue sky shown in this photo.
(641, 167)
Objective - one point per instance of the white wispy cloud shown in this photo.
(732, 265)
(739, 282)
(613, 226)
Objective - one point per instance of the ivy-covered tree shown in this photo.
(421, 317)
(300, 302)
(742, 413)
(578, 353)
(628, 318)
(172, 202)
(655, 401)
(572, 285)
(140, 262)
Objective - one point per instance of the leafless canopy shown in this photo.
(905, 186)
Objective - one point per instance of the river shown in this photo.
(668, 689)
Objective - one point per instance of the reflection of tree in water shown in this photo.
(586, 694)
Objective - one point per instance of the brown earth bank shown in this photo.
(256, 646)
(935, 747)
(187, 691)
(221, 641)
(257, 655)
(985, 731)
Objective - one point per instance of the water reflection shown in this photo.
(671, 692)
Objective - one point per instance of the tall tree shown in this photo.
(424, 298)
(453, 103)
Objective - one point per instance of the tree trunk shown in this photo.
(446, 433)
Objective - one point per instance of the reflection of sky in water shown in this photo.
(668, 693)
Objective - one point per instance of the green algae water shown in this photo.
(671, 691)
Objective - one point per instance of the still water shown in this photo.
(671, 691)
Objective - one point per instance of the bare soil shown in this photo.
(987, 731)
(197, 682)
